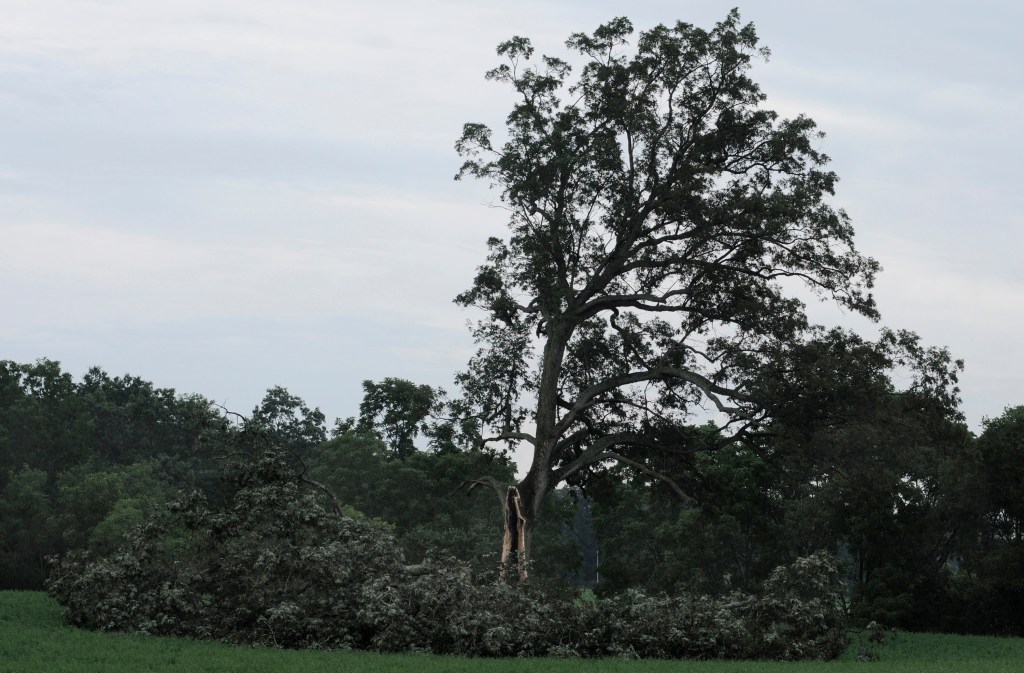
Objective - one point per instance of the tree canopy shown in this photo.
(660, 219)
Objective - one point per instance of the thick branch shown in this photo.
(597, 452)
(711, 391)
(335, 503)
(525, 436)
(648, 471)
(593, 452)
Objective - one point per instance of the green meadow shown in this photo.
(34, 639)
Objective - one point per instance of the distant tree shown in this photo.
(98, 505)
(398, 410)
(288, 422)
(1001, 445)
(128, 419)
(869, 466)
(100, 444)
(651, 539)
(660, 217)
(42, 423)
(850, 461)
(28, 529)
(987, 593)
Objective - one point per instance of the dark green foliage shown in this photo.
(949, 552)
(983, 592)
(28, 529)
(420, 498)
(99, 505)
(92, 457)
(287, 422)
(1001, 448)
(131, 420)
(272, 568)
(42, 421)
(732, 539)
(397, 410)
(276, 568)
(416, 495)
(850, 464)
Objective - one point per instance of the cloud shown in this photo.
(974, 311)
(862, 121)
(379, 250)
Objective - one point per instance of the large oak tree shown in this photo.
(661, 219)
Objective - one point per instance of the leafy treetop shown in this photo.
(659, 215)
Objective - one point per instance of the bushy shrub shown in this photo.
(141, 588)
(274, 567)
(799, 614)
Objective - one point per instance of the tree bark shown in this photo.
(513, 546)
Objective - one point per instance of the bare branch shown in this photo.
(335, 503)
(593, 452)
(488, 481)
(525, 436)
(711, 390)
(229, 412)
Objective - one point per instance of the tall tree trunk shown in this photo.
(537, 484)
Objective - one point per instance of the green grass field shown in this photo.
(34, 639)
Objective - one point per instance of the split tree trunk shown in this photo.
(513, 545)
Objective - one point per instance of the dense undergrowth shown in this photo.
(274, 567)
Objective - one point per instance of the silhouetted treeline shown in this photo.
(81, 462)
(926, 517)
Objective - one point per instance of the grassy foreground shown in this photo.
(34, 639)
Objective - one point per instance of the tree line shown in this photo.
(925, 517)
(82, 462)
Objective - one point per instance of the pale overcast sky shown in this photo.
(221, 196)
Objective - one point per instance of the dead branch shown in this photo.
(488, 481)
